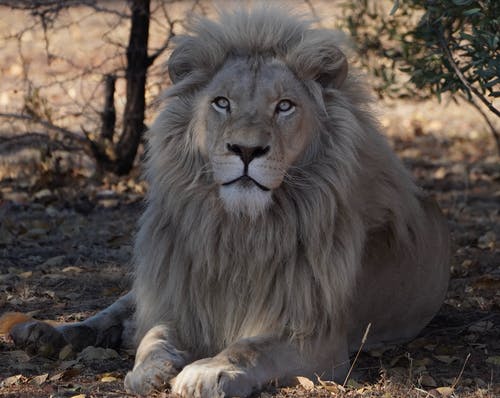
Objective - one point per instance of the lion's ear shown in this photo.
(180, 64)
(334, 71)
(318, 58)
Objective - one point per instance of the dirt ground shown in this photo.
(65, 246)
(66, 241)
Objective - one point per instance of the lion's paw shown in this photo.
(148, 376)
(212, 378)
(38, 338)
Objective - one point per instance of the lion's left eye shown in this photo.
(221, 104)
(285, 107)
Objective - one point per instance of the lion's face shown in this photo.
(253, 122)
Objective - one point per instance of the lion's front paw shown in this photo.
(148, 376)
(211, 377)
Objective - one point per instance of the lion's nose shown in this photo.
(248, 153)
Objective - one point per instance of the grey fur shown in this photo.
(214, 278)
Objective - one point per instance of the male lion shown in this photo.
(279, 223)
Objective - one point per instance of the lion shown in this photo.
(279, 224)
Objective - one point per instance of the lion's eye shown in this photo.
(221, 104)
(285, 107)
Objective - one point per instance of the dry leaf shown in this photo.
(331, 386)
(441, 392)
(39, 380)
(495, 360)
(487, 241)
(427, 381)
(395, 360)
(97, 354)
(423, 362)
(377, 353)
(440, 173)
(447, 359)
(11, 319)
(79, 396)
(66, 374)
(26, 275)
(305, 383)
(353, 384)
(108, 379)
(487, 282)
(72, 268)
(56, 261)
(10, 381)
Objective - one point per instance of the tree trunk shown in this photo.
(137, 65)
(108, 116)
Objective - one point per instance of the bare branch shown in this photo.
(166, 43)
(35, 140)
(53, 7)
(493, 130)
(65, 132)
(159, 51)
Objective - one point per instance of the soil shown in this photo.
(65, 247)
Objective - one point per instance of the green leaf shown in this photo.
(472, 11)
(492, 83)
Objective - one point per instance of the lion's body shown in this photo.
(278, 274)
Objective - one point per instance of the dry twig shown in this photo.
(363, 341)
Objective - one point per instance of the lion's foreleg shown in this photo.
(247, 366)
(103, 329)
(157, 361)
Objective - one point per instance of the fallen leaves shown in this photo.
(487, 241)
(66, 374)
(39, 380)
(97, 354)
(331, 386)
(12, 380)
(109, 378)
(306, 383)
(442, 392)
(427, 381)
(494, 360)
(446, 359)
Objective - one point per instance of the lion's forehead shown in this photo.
(255, 80)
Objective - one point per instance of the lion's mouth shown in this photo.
(246, 181)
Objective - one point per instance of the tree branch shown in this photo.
(469, 87)
(151, 58)
(493, 130)
(8, 145)
(65, 132)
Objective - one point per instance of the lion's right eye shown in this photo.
(221, 104)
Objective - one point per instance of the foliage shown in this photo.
(424, 38)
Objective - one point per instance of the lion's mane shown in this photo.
(218, 277)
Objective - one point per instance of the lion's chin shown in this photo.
(245, 200)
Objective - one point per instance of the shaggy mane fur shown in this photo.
(218, 277)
